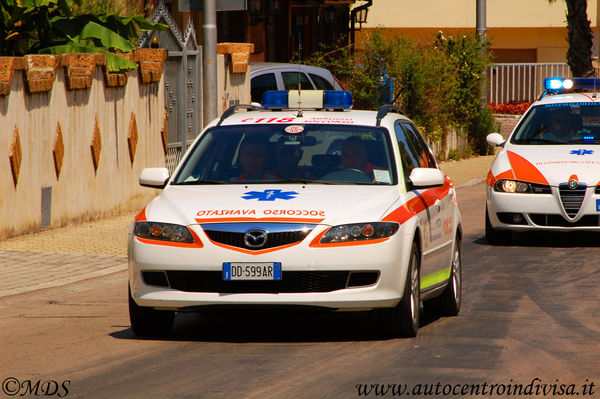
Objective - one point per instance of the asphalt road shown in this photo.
(530, 310)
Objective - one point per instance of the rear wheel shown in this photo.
(147, 321)
(495, 236)
(448, 304)
(403, 319)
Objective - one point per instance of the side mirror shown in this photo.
(426, 177)
(154, 177)
(495, 139)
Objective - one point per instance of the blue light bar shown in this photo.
(307, 99)
(337, 99)
(553, 83)
(571, 84)
(275, 99)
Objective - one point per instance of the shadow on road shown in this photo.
(550, 239)
(284, 326)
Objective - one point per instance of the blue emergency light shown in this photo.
(568, 84)
(307, 99)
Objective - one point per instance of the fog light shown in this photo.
(517, 218)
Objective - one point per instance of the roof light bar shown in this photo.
(557, 85)
(307, 99)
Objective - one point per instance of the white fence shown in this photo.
(521, 82)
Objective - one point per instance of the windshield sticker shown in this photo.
(582, 152)
(269, 195)
(316, 119)
(382, 176)
(577, 104)
(294, 129)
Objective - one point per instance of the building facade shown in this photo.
(519, 30)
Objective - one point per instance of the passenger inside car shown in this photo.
(253, 159)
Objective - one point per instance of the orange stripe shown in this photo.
(507, 174)
(140, 217)
(248, 252)
(273, 219)
(574, 177)
(524, 170)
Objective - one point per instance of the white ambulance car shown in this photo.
(547, 175)
(304, 202)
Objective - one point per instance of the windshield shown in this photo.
(278, 153)
(565, 123)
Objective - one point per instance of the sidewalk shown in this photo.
(62, 256)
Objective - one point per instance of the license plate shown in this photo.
(252, 271)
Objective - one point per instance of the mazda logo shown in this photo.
(572, 184)
(255, 238)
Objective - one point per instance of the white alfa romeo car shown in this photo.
(304, 202)
(547, 175)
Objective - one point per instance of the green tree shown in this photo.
(579, 54)
(49, 27)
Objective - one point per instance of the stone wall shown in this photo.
(507, 123)
(74, 138)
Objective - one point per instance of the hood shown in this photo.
(319, 204)
(554, 164)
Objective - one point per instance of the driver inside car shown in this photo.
(253, 159)
(354, 155)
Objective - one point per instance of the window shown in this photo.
(266, 153)
(414, 153)
(291, 79)
(260, 84)
(320, 82)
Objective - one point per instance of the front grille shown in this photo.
(291, 282)
(559, 221)
(572, 198)
(236, 239)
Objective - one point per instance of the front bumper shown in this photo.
(541, 211)
(386, 258)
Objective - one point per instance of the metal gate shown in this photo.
(183, 83)
(521, 82)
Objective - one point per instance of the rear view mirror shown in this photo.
(495, 139)
(426, 177)
(154, 177)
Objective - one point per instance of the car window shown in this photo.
(268, 153)
(291, 79)
(260, 84)
(321, 83)
(422, 151)
(560, 123)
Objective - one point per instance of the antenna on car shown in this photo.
(299, 80)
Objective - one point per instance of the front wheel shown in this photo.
(403, 319)
(448, 303)
(147, 321)
(494, 236)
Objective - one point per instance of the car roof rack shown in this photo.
(386, 109)
(231, 110)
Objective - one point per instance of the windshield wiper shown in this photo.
(200, 182)
(538, 140)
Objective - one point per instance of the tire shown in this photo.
(149, 322)
(494, 236)
(448, 303)
(403, 319)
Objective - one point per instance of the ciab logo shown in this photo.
(269, 195)
(582, 151)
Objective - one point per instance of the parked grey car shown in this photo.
(280, 76)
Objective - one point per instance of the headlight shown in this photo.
(516, 186)
(359, 232)
(163, 232)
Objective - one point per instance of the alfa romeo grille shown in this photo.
(572, 199)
